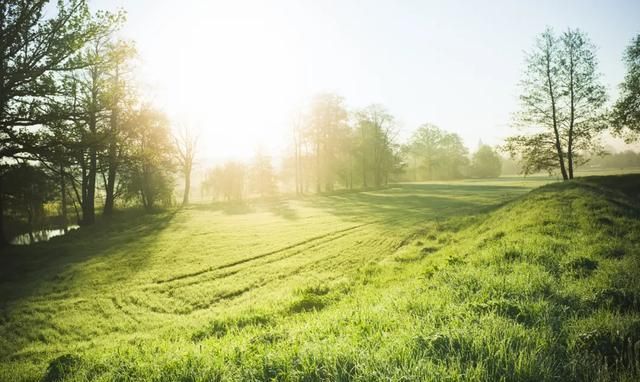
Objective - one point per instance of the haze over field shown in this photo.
(239, 69)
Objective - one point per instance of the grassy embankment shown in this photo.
(461, 281)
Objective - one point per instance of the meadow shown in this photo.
(509, 279)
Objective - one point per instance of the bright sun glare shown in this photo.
(238, 70)
(232, 78)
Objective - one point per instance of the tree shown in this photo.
(28, 188)
(55, 156)
(83, 121)
(424, 146)
(226, 181)
(436, 154)
(120, 102)
(375, 132)
(341, 147)
(624, 159)
(90, 115)
(185, 141)
(626, 111)
(149, 174)
(562, 102)
(297, 123)
(261, 174)
(327, 124)
(299, 164)
(486, 163)
(33, 49)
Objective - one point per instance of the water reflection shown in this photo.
(38, 236)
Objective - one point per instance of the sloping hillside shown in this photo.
(543, 288)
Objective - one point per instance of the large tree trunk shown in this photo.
(111, 179)
(88, 205)
(296, 161)
(364, 157)
(113, 154)
(318, 169)
(30, 222)
(3, 240)
(84, 186)
(113, 166)
(555, 121)
(144, 200)
(571, 118)
(570, 153)
(300, 169)
(563, 170)
(63, 199)
(377, 167)
(364, 170)
(187, 185)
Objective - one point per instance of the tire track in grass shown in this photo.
(119, 307)
(229, 295)
(312, 264)
(324, 260)
(312, 243)
(226, 296)
(391, 245)
(259, 256)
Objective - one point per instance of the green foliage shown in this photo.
(149, 173)
(261, 175)
(377, 155)
(335, 147)
(33, 49)
(326, 127)
(433, 154)
(226, 182)
(27, 190)
(562, 105)
(624, 159)
(39, 44)
(626, 111)
(485, 163)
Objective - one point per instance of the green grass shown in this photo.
(470, 280)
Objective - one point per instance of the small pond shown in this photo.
(39, 236)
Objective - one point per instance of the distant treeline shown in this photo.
(333, 148)
(622, 160)
(369, 156)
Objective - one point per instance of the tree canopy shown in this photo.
(562, 105)
(626, 111)
(433, 153)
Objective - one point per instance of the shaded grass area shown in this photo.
(415, 282)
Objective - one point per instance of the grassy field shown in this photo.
(464, 281)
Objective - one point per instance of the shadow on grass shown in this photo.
(25, 270)
(279, 206)
(409, 201)
(412, 203)
(235, 207)
(282, 208)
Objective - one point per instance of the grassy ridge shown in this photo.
(352, 287)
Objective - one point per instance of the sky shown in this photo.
(238, 70)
